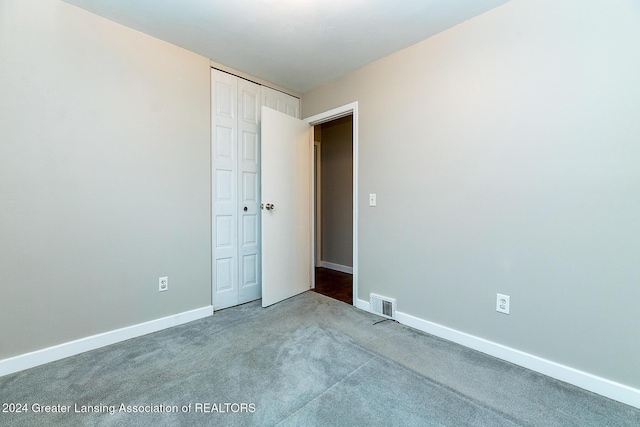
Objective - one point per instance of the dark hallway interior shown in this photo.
(334, 284)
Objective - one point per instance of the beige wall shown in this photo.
(337, 191)
(505, 156)
(104, 176)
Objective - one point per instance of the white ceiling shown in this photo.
(296, 44)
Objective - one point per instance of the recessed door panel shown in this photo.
(250, 266)
(225, 102)
(250, 147)
(250, 187)
(291, 110)
(249, 230)
(224, 274)
(271, 103)
(224, 185)
(225, 143)
(250, 288)
(250, 106)
(225, 229)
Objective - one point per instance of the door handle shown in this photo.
(245, 209)
(270, 206)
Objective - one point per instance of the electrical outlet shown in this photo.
(163, 284)
(503, 303)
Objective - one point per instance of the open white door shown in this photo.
(286, 166)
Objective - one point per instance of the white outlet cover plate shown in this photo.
(163, 284)
(372, 199)
(503, 303)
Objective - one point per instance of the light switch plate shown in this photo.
(372, 199)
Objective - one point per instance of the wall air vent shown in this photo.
(383, 306)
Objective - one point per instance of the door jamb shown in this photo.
(336, 113)
(317, 230)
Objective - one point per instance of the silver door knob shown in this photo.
(270, 206)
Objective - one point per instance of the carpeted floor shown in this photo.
(307, 361)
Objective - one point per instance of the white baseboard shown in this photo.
(337, 267)
(362, 305)
(57, 352)
(593, 383)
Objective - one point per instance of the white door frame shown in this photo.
(317, 229)
(336, 113)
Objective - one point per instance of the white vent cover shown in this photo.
(383, 306)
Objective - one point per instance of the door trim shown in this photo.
(336, 113)
(317, 229)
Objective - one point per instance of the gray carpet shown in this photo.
(307, 361)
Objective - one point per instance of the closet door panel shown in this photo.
(280, 101)
(249, 96)
(224, 122)
(272, 99)
(291, 105)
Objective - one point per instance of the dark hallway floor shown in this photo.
(334, 284)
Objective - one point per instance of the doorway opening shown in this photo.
(334, 208)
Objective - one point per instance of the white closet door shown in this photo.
(249, 104)
(235, 150)
(280, 101)
(224, 152)
(236, 222)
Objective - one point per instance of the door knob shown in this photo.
(270, 206)
(245, 209)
